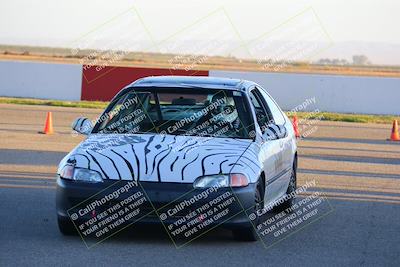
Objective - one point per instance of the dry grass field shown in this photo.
(158, 60)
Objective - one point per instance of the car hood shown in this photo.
(164, 158)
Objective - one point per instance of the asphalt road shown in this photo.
(352, 164)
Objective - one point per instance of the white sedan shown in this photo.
(180, 136)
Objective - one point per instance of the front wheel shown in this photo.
(249, 233)
(65, 226)
(245, 234)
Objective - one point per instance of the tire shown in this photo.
(291, 188)
(66, 227)
(249, 234)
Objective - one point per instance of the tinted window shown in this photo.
(262, 112)
(275, 110)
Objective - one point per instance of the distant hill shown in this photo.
(122, 58)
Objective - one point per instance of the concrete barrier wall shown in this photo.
(40, 80)
(335, 93)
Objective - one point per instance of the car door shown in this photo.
(286, 154)
(270, 149)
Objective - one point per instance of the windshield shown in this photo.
(177, 111)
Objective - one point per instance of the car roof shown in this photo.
(192, 82)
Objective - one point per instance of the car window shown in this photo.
(178, 111)
(261, 111)
(276, 112)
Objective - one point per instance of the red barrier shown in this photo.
(102, 83)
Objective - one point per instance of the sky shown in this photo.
(338, 27)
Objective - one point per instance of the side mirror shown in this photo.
(82, 125)
(274, 132)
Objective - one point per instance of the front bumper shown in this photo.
(162, 198)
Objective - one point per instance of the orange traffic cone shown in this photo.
(296, 127)
(48, 127)
(395, 132)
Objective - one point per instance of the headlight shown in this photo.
(80, 174)
(221, 180)
(87, 175)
